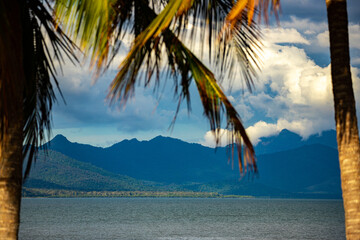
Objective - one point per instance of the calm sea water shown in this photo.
(178, 218)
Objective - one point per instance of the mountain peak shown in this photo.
(287, 132)
(133, 140)
(59, 140)
(60, 137)
(161, 138)
(283, 141)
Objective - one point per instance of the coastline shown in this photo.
(61, 193)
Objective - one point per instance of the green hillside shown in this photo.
(299, 169)
(57, 171)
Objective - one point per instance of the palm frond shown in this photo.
(156, 32)
(240, 37)
(88, 21)
(147, 45)
(182, 62)
(250, 6)
(213, 99)
(239, 47)
(39, 69)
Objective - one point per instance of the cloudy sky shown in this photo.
(292, 91)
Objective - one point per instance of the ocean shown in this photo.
(180, 218)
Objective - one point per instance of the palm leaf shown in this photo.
(213, 99)
(154, 33)
(184, 63)
(88, 21)
(39, 69)
(250, 7)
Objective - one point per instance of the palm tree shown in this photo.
(26, 95)
(345, 115)
(31, 37)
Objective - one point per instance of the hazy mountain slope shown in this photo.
(306, 169)
(310, 168)
(57, 171)
(287, 140)
(161, 159)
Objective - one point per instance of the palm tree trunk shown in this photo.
(345, 115)
(11, 176)
(11, 135)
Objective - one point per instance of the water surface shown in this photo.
(181, 218)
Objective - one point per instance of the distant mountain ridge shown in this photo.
(288, 165)
(287, 140)
(53, 170)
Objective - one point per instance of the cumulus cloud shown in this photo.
(292, 92)
(209, 138)
(140, 114)
(284, 35)
(305, 25)
(355, 61)
(261, 129)
(354, 37)
(300, 97)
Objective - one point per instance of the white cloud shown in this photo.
(292, 92)
(355, 61)
(209, 138)
(354, 37)
(303, 127)
(261, 129)
(323, 39)
(284, 35)
(244, 110)
(309, 32)
(75, 79)
(305, 24)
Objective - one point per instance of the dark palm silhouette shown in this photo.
(345, 115)
(28, 37)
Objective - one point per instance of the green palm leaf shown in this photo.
(214, 101)
(39, 69)
(184, 63)
(156, 33)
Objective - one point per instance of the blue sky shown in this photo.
(292, 91)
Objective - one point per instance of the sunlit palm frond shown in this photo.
(38, 57)
(154, 32)
(250, 7)
(206, 18)
(212, 97)
(240, 49)
(182, 62)
(240, 37)
(90, 22)
(237, 49)
(147, 45)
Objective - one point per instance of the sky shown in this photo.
(293, 90)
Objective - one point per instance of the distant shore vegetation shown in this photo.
(58, 193)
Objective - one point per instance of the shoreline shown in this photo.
(60, 193)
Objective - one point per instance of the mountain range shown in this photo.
(288, 167)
